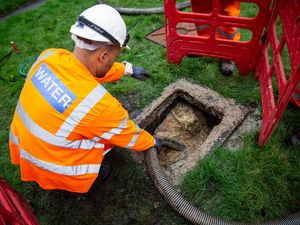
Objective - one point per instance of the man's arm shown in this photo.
(114, 74)
(111, 125)
(125, 68)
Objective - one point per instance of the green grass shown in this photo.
(237, 186)
(9, 6)
(248, 185)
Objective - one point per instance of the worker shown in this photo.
(65, 121)
(228, 8)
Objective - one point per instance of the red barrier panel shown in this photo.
(251, 55)
(14, 209)
(273, 105)
(245, 54)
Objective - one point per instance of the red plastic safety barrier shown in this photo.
(273, 105)
(245, 54)
(249, 56)
(14, 209)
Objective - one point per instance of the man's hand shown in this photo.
(135, 71)
(139, 73)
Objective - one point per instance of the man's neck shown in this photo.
(83, 57)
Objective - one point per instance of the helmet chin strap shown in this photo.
(83, 45)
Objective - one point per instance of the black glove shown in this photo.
(140, 73)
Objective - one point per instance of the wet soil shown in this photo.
(187, 125)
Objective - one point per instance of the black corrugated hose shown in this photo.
(185, 208)
(145, 11)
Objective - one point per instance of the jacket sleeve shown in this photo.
(114, 127)
(114, 74)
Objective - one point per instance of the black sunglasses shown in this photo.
(103, 32)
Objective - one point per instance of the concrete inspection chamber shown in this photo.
(194, 116)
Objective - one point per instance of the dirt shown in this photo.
(187, 125)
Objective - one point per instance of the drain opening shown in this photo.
(188, 125)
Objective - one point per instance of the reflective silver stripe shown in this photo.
(81, 110)
(106, 151)
(202, 27)
(135, 137)
(14, 139)
(96, 139)
(99, 145)
(64, 170)
(50, 138)
(47, 54)
(109, 134)
(226, 35)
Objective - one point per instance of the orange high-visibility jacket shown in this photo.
(65, 121)
(228, 8)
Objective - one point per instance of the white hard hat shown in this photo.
(101, 23)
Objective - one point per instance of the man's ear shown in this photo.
(103, 56)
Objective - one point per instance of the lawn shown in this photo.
(251, 184)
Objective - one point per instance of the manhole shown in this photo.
(159, 36)
(195, 116)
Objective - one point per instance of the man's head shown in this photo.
(99, 33)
